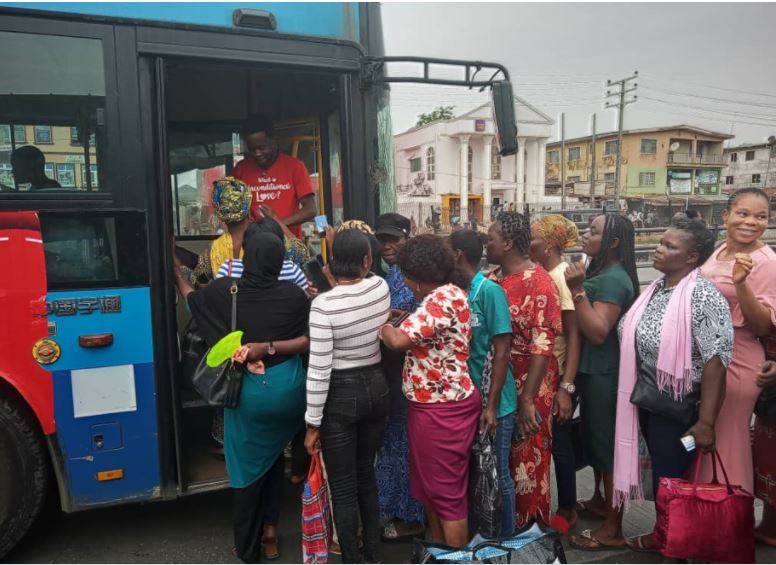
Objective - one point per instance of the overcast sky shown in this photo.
(708, 65)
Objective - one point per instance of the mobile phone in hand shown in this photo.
(320, 223)
(314, 271)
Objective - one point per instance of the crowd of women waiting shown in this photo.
(393, 376)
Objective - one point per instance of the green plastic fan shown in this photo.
(224, 349)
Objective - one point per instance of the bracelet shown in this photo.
(578, 297)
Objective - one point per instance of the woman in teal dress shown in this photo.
(273, 316)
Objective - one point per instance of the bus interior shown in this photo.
(205, 105)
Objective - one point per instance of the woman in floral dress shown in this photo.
(536, 321)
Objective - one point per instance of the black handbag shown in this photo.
(647, 396)
(193, 348)
(486, 504)
(221, 385)
(765, 407)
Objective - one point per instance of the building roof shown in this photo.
(745, 146)
(541, 117)
(684, 127)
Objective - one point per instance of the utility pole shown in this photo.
(771, 143)
(620, 93)
(592, 161)
(562, 161)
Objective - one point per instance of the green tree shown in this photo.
(438, 113)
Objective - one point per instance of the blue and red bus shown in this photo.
(114, 120)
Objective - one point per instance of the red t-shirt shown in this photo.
(280, 187)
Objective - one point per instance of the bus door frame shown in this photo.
(156, 45)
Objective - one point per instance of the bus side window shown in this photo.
(94, 250)
(52, 114)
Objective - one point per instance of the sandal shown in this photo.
(638, 544)
(585, 506)
(390, 533)
(586, 541)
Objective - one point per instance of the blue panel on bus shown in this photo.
(328, 19)
(125, 313)
(110, 457)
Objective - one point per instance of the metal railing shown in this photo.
(693, 159)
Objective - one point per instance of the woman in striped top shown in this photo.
(347, 396)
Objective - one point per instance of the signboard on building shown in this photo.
(479, 125)
(75, 159)
(680, 182)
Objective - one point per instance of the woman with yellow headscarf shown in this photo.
(551, 236)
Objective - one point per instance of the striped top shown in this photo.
(343, 335)
(289, 272)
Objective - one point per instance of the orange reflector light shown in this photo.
(97, 340)
(111, 475)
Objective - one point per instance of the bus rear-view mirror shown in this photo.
(503, 104)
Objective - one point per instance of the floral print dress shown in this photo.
(536, 321)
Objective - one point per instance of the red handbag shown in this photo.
(317, 526)
(705, 522)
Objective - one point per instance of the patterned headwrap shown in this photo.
(359, 225)
(232, 200)
(557, 231)
(515, 227)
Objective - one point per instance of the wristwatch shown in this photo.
(571, 388)
(271, 348)
(579, 297)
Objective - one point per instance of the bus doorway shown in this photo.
(204, 106)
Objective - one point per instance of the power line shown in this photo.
(731, 114)
(684, 81)
(711, 98)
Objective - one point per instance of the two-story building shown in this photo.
(660, 167)
(451, 170)
(63, 149)
(750, 166)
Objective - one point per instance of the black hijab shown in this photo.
(268, 309)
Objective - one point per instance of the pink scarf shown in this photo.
(674, 372)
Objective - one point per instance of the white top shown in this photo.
(289, 272)
(343, 335)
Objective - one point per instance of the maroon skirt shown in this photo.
(440, 439)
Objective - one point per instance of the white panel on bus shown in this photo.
(105, 390)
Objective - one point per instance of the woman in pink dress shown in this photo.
(744, 270)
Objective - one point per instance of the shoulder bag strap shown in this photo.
(233, 292)
(476, 292)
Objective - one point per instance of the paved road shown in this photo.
(197, 530)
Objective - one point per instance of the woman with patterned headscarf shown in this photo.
(551, 236)
(536, 322)
(232, 202)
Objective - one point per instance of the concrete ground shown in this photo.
(197, 529)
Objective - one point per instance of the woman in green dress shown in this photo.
(600, 301)
(273, 315)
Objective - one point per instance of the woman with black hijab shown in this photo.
(273, 316)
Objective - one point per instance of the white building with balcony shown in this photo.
(452, 167)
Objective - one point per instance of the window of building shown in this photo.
(66, 175)
(19, 135)
(610, 147)
(733, 157)
(495, 163)
(647, 179)
(75, 138)
(750, 155)
(756, 178)
(43, 135)
(649, 146)
(95, 183)
(52, 75)
(469, 168)
(430, 163)
(415, 165)
(553, 156)
(729, 180)
(574, 153)
(574, 179)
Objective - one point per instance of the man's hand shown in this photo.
(563, 408)
(704, 436)
(312, 440)
(488, 420)
(268, 212)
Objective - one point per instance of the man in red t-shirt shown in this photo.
(276, 180)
